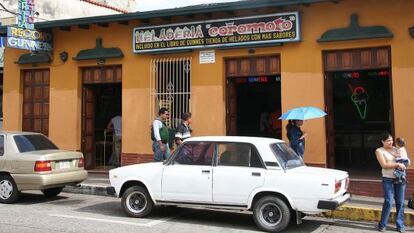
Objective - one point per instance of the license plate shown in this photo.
(64, 164)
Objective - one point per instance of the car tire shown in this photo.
(52, 192)
(8, 190)
(137, 202)
(271, 214)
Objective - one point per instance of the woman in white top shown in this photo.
(392, 190)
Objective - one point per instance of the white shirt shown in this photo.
(402, 152)
(156, 126)
(389, 158)
(117, 123)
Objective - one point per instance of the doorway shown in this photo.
(359, 110)
(253, 96)
(101, 101)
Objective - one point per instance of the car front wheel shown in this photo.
(8, 190)
(271, 214)
(52, 192)
(136, 202)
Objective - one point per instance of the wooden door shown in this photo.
(36, 101)
(88, 126)
(253, 66)
(231, 108)
(330, 134)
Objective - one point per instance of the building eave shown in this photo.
(183, 11)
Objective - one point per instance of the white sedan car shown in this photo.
(259, 174)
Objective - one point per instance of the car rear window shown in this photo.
(286, 156)
(33, 142)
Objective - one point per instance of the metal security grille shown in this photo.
(170, 87)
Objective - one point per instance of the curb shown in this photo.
(366, 214)
(89, 189)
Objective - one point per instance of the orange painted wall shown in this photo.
(301, 65)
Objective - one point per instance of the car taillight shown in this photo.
(347, 183)
(337, 186)
(81, 162)
(42, 166)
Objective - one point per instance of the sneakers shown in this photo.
(380, 229)
(401, 230)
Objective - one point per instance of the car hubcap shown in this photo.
(6, 189)
(136, 202)
(270, 214)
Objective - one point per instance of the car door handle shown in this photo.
(205, 171)
(256, 174)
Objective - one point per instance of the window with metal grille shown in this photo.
(170, 87)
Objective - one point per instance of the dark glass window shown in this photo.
(286, 156)
(238, 154)
(195, 153)
(1, 145)
(33, 142)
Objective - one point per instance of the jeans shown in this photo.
(396, 191)
(299, 149)
(116, 150)
(160, 156)
(401, 174)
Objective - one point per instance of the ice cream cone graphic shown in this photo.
(360, 98)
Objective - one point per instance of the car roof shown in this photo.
(17, 133)
(254, 140)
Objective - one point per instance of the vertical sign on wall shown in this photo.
(1, 52)
(26, 11)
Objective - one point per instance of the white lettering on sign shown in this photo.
(32, 45)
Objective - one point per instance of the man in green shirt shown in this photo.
(160, 136)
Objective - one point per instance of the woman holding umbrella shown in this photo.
(296, 136)
(296, 117)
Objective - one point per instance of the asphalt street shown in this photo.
(86, 213)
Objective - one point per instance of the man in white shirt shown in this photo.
(116, 126)
(160, 136)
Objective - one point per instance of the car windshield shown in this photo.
(33, 142)
(286, 156)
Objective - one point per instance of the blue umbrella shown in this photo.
(303, 113)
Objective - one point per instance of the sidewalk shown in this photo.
(362, 208)
(359, 208)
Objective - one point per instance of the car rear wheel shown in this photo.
(136, 202)
(271, 214)
(52, 192)
(8, 190)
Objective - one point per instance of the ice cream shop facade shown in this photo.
(235, 66)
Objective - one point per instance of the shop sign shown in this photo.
(29, 39)
(207, 56)
(259, 79)
(1, 52)
(25, 18)
(255, 30)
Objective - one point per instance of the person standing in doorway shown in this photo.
(392, 190)
(115, 125)
(160, 136)
(265, 123)
(296, 136)
(184, 129)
